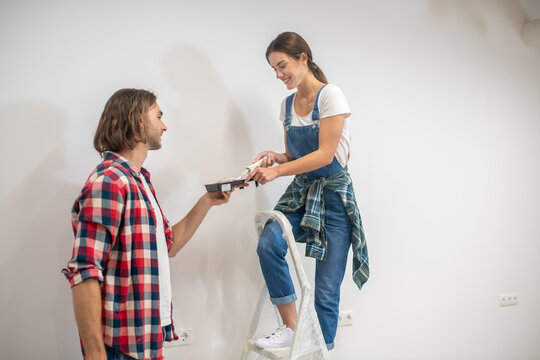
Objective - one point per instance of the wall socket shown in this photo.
(508, 299)
(345, 318)
(185, 337)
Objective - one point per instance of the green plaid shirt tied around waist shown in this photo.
(304, 191)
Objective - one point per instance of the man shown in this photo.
(119, 271)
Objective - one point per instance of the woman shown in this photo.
(320, 202)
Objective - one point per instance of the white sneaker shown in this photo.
(282, 337)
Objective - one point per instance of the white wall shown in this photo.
(446, 138)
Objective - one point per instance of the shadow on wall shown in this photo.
(216, 277)
(472, 13)
(35, 301)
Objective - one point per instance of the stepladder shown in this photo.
(308, 342)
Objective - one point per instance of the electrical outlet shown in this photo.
(185, 337)
(345, 318)
(508, 299)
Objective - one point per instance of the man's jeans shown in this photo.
(329, 273)
(113, 354)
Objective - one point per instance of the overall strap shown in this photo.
(315, 113)
(288, 109)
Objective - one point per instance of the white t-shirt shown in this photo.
(165, 293)
(331, 102)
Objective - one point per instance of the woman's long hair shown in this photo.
(294, 45)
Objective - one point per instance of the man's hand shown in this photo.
(96, 357)
(217, 198)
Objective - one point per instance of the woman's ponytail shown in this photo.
(294, 45)
(317, 71)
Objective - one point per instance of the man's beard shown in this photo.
(154, 141)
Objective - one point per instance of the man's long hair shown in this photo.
(123, 120)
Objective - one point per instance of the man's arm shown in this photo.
(87, 307)
(97, 222)
(185, 228)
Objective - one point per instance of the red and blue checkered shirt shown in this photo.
(115, 243)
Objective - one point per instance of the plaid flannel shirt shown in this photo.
(115, 243)
(304, 192)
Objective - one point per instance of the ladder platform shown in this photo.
(274, 354)
(279, 353)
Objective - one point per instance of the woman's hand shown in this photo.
(271, 158)
(263, 175)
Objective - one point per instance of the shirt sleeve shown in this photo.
(333, 102)
(97, 227)
(282, 111)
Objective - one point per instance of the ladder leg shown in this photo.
(255, 321)
(308, 341)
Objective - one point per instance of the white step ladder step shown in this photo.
(274, 354)
(282, 353)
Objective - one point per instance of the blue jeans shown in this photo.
(272, 249)
(113, 354)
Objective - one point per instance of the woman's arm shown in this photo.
(329, 135)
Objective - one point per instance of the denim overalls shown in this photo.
(272, 248)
